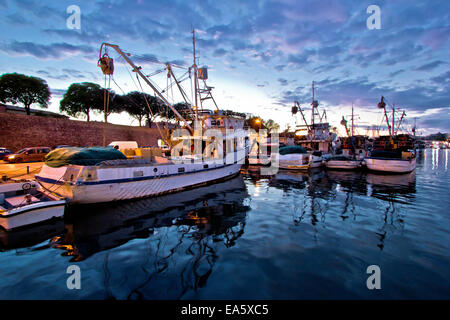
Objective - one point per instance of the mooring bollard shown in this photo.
(4, 177)
(28, 169)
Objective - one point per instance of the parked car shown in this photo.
(29, 155)
(4, 153)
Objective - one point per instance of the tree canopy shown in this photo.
(271, 125)
(82, 98)
(135, 104)
(27, 90)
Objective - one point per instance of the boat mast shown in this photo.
(183, 94)
(352, 119)
(393, 119)
(138, 70)
(195, 70)
(312, 113)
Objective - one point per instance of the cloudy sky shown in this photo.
(262, 55)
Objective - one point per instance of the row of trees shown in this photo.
(83, 99)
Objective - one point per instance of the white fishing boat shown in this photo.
(294, 158)
(385, 161)
(316, 159)
(315, 137)
(343, 163)
(393, 153)
(352, 146)
(23, 204)
(216, 156)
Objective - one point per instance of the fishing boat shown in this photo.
(315, 137)
(393, 153)
(391, 161)
(351, 149)
(354, 145)
(24, 203)
(294, 158)
(343, 162)
(211, 150)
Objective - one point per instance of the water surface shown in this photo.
(289, 236)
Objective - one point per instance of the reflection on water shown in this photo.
(199, 219)
(291, 235)
(322, 188)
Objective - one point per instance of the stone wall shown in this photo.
(20, 131)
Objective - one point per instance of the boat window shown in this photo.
(155, 169)
(138, 174)
(180, 170)
(205, 166)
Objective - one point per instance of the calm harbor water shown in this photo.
(289, 236)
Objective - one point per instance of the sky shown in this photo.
(261, 55)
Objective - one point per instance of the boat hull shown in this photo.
(295, 161)
(390, 165)
(316, 161)
(294, 166)
(118, 189)
(32, 214)
(343, 164)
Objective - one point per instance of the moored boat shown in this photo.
(389, 161)
(294, 158)
(315, 137)
(343, 162)
(23, 204)
(393, 153)
(316, 159)
(208, 148)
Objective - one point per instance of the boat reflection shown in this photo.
(30, 236)
(213, 210)
(392, 188)
(316, 195)
(183, 232)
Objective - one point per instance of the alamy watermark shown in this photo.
(374, 281)
(374, 20)
(73, 22)
(74, 280)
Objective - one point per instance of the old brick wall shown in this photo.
(20, 131)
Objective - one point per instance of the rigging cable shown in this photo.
(148, 106)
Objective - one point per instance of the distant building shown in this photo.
(35, 112)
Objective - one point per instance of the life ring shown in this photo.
(26, 186)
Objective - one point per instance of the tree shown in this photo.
(182, 108)
(81, 98)
(254, 122)
(135, 104)
(19, 88)
(271, 125)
